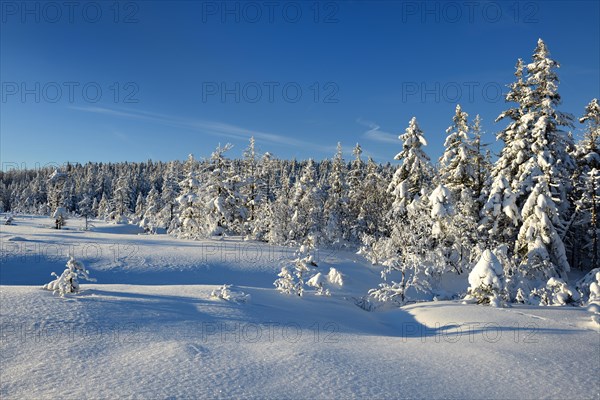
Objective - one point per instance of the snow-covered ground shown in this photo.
(149, 328)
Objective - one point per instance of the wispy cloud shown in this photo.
(122, 137)
(218, 129)
(374, 133)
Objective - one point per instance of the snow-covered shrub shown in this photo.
(335, 277)
(589, 287)
(537, 296)
(319, 282)
(521, 296)
(365, 303)
(555, 293)
(561, 293)
(226, 293)
(60, 217)
(386, 293)
(9, 220)
(68, 281)
(486, 281)
(291, 281)
(416, 273)
(148, 224)
(413, 285)
(407, 256)
(117, 219)
(287, 281)
(595, 290)
(323, 283)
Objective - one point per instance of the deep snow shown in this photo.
(150, 329)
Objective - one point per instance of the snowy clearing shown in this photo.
(151, 329)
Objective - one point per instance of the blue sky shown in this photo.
(157, 80)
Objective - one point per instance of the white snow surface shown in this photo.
(150, 329)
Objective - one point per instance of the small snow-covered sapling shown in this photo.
(68, 281)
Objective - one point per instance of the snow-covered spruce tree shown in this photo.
(121, 199)
(86, 208)
(407, 251)
(140, 207)
(542, 180)
(27, 202)
(307, 206)
(453, 229)
(589, 148)
(414, 174)
(539, 249)
(103, 207)
(60, 216)
(69, 195)
(482, 164)
(500, 213)
(277, 218)
(550, 144)
(95, 204)
(458, 163)
(373, 202)
(267, 186)
(322, 173)
(534, 145)
(441, 210)
(466, 244)
(336, 213)
(460, 172)
(190, 208)
(237, 200)
(585, 232)
(97, 182)
(149, 221)
(486, 281)
(39, 192)
(3, 205)
(269, 172)
(250, 189)
(224, 210)
(68, 281)
(355, 178)
(356, 172)
(55, 183)
(169, 194)
(590, 208)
